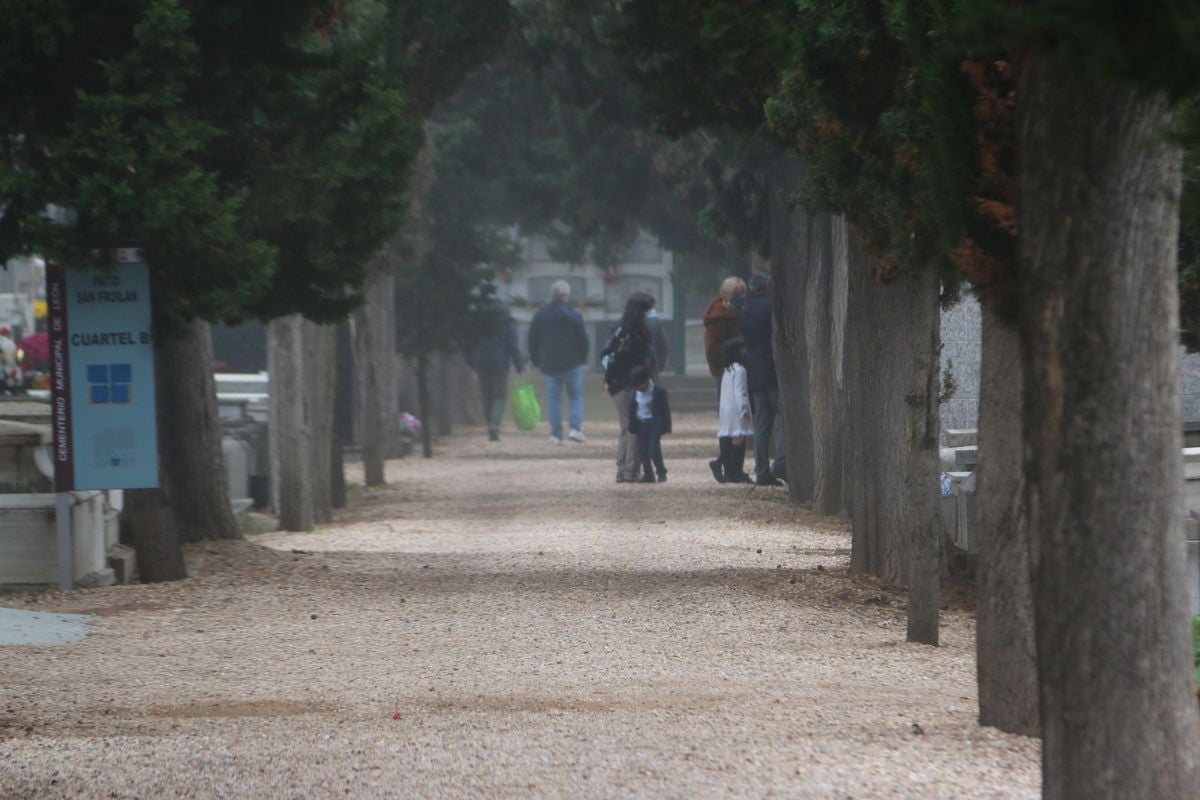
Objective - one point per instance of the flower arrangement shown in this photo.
(410, 432)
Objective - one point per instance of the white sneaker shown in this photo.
(554, 440)
(576, 436)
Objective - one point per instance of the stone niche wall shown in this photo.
(961, 327)
(1189, 381)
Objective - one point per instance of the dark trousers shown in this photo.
(765, 405)
(649, 448)
(493, 387)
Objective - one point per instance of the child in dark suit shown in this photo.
(649, 419)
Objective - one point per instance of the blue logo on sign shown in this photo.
(109, 384)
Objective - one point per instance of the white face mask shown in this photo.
(652, 314)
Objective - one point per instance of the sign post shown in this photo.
(102, 385)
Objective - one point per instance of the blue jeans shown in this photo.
(573, 380)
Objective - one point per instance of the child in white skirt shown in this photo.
(735, 420)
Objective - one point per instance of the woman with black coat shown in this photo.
(630, 346)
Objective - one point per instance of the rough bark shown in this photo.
(1098, 214)
(789, 251)
(458, 391)
(463, 399)
(190, 437)
(320, 349)
(824, 332)
(875, 345)
(342, 433)
(809, 269)
(375, 355)
(150, 525)
(375, 370)
(920, 292)
(444, 412)
(1004, 639)
(190, 465)
(892, 395)
(406, 373)
(424, 401)
(290, 429)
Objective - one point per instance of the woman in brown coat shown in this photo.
(721, 323)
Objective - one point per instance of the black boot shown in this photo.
(719, 464)
(735, 467)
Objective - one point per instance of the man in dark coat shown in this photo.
(489, 355)
(558, 346)
(761, 380)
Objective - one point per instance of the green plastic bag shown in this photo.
(526, 411)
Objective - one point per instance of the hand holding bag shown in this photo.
(526, 411)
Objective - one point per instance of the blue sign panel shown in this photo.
(103, 388)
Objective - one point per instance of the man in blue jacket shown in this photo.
(489, 355)
(558, 346)
(761, 380)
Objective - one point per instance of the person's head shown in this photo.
(560, 290)
(735, 350)
(639, 377)
(732, 287)
(760, 282)
(636, 307)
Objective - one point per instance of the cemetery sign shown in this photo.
(102, 384)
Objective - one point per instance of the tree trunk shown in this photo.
(192, 498)
(920, 294)
(824, 333)
(875, 350)
(375, 329)
(1004, 639)
(343, 414)
(290, 427)
(445, 401)
(151, 527)
(892, 394)
(423, 399)
(148, 513)
(190, 437)
(809, 269)
(337, 470)
(367, 392)
(406, 391)
(320, 350)
(1099, 186)
(464, 390)
(789, 251)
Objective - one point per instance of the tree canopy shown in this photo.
(551, 139)
(258, 153)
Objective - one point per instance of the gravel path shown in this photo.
(505, 621)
